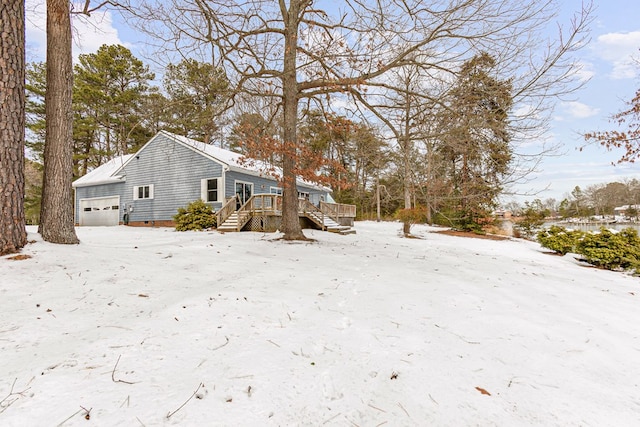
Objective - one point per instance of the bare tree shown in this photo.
(13, 234)
(301, 51)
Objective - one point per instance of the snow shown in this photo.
(152, 327)
(103, 174)
(237, 161)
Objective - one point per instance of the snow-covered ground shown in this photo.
(149, 327)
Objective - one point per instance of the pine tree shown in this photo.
(13, 234)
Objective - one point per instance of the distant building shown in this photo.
(502, 214)
(622, 210)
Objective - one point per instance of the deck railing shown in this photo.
(272, 204)
(225, 212)
(309, 210)
(265, 203)
(338, 210)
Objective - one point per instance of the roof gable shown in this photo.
(105, 173)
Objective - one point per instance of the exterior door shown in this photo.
(100, 211)
(244, 190)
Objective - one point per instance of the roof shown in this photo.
(229, 158)
(103, 174)
(107, 173)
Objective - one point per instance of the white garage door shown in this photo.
(100, 211)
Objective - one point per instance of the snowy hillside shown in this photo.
(151, 327)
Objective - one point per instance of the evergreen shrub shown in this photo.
(559, 239)
(612, 250)
(196, 216)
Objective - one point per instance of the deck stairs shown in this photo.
(235, 222)
(329, 224)
(230, 219)
(323, 219)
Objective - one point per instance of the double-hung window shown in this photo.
(211, 190)
(143, 192)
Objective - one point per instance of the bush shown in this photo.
(530, 223)
(412, 216)
(559, 239)
(196, 216)
(612, 250)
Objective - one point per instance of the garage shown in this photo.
(100, 211)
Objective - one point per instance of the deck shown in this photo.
(263, 212)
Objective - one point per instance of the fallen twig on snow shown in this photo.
(74, 414)
(170, 414)
(456, 335)
(405, 411)
(375, 407)
(12, 396)
(113, 373)
(222, 345)
(332, 418)
(87, 412)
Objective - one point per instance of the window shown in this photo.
(143, 192)
(275, 190)
(87, 209)
(303, 195)
(211, 190)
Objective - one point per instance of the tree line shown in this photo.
(594, 201)
(389, 97)
(456, 173)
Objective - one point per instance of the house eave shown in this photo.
(111, 180)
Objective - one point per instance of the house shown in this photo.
(626, 210)
(169, 172)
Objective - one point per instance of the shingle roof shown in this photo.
(103, 174)
(107, 172)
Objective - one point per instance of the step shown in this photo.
(349, 231)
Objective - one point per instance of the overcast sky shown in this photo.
(607, 62)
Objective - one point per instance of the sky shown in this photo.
(607, 61)
(153, 327)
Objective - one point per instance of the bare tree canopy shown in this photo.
(342, 54)
(627, 137)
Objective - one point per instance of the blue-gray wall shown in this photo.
(175, 171)
(262, 185)
(105, 190)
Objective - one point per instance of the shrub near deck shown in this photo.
(196, 216)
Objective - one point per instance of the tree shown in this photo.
(36, 88)
(198, 93)
(295, 52)
(474, 142)
(110, 88)
(627, 140)
(56, 216)
(13, 235)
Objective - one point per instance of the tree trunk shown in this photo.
(290, 220)
(56, 221)
(13, 235)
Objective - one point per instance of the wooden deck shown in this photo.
(263, 212)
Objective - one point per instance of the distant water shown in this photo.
(595, 226)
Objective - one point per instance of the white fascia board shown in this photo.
(111, 180)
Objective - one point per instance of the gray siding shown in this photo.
(261, 185)
(174, 171)
(105, 190)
